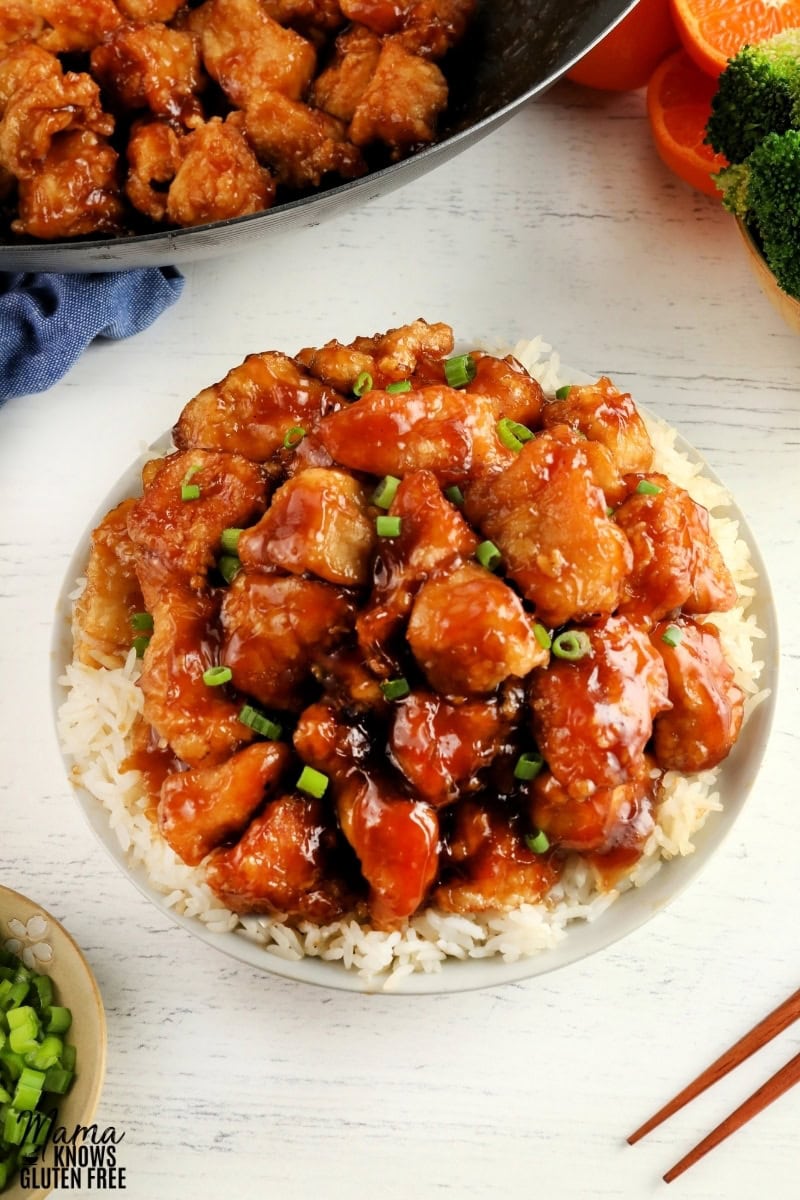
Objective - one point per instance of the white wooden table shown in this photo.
(230, 1082)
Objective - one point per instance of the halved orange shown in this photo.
(627, 56)
(678, 107)
(712, 31)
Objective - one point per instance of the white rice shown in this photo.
(102, 705)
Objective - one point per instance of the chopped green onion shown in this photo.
(645, 488)
(294, 437)
(385, 492)
(402, 385)
(190, 491)
(229, 567)
(362, 384)
(512, 434)
(539, 842)
(388, 526)
(256, 721)
(312, 782)
(140, 644)
(562, 392)
(142, 620)
(454, 494)
(230, 540)
(542, 636)
(528, 765)
(488, 555)
(571, 645)
(395, 689)
(214, 676)
(672, 635)
(460, 370)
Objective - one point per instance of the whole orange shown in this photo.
(628, 55)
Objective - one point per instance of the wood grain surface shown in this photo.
(230, 1082)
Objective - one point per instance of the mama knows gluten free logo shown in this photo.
(72, 1159)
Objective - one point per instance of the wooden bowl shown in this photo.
(44, 944)
(786, 305)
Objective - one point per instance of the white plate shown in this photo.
(633, 908)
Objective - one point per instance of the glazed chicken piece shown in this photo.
(274, 631)
(317, 522)
(606, 415)
(396, 839)
(593, 717)
(249, 54)
(253, 408)
(219, 176)
(19, 23)
(282, 864)
(386, 357)
(401, 103)
(199, 723)
(301, 145)
(469, 632)
(548, 518)
(596, 822)
(516, 394)
(22, 66)
(488, 865)
(154, 155)
(201, 808)
(52, 103)
(184, 535)
(676, 562)
(707, 704)
(76, 24)
(441, 747)
(151, 67)
(341, 84)
(434, 428)
(428, 27)
(433, 537)
(73, 191)
(103, 611)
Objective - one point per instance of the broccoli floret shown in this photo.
(757, 93)
(765, 192)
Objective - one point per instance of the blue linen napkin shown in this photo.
(47, 320)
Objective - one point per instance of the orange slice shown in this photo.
(712, 31)
(678, 107)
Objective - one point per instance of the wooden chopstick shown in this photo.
(768, 1028)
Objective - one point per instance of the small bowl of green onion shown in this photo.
(52, 1045)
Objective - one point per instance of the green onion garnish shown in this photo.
(395, 689)
(293, 437)
(229, 567)
(385, 491)
(362, 384)
(562, 392)
(312, 782)
(488, 555)
(256, 721)
(571, 645)
(402, 385)
(142, 620)
(645, 488)
(672, 635)
(190, 491)
(388, 526)
(539, 842)
(528, 765)
(214, 676)
(140, 644)
(230, 540)
(454, 494)
(512, 434)
(542, 636)
(460, 370)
